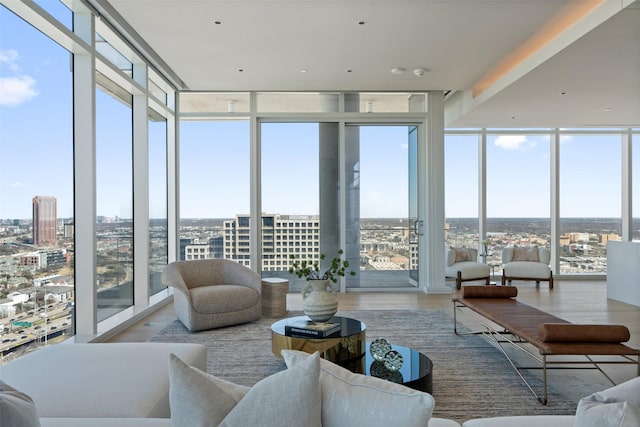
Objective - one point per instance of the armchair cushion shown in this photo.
(455, 255)
(468, 270)
(462, 254)
(532, 270)
(525, 253)
(223, 298)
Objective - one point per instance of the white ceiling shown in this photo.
(595, 61)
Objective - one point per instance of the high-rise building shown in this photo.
(282, 236)
(44, 220)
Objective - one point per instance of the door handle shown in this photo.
(417, 227)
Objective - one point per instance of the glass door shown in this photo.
(382, 203)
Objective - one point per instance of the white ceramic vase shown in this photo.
(319, 300)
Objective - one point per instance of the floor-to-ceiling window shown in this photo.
(518, 192)
(214, 190)
(36, 188)
(461, 190)
(590, 200)
(290, 195)
(114, 204)
(158, 226)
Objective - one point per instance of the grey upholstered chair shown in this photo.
(212, 293)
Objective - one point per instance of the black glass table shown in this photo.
(416, 371)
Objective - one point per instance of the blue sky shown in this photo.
(36, 156)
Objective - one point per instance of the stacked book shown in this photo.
(309, 329)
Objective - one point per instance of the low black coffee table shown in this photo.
(416, 371)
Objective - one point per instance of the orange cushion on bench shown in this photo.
(571, 332)
(489, 291)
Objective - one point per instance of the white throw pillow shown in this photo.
(16, 408)
(287, 398)
(355, 400)
(617, 406)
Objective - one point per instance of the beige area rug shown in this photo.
(471, 378)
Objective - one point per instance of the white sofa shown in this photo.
(128, 384)
(102, 385)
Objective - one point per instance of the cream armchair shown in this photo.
(212, 293)
(526, 263)
(463, 265)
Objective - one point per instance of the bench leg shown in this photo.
(459, 280)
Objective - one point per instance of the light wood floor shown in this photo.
(575, 301)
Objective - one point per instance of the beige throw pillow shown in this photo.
(355, 400)
(462, 254)
(525, 253)
(198, 399)
(290, 397)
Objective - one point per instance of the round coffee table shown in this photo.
(416, 371)
(341, 347)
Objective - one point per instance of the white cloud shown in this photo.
(405, 146)
(513, 142)
(9, 57)
(16, 89)
(16, 184)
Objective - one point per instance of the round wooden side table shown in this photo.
(274, 297)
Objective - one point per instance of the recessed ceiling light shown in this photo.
(303, 70)
(398, 70)
(240, 70)
(420, 72)
(217, 22)
(563, 93)
(607, 109)
(362, 22)
(349, 71)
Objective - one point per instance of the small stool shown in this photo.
(274, 297)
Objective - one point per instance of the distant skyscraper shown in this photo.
(45, 217)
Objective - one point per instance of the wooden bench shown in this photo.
(508, 321)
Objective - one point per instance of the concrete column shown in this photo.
(431, 155)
